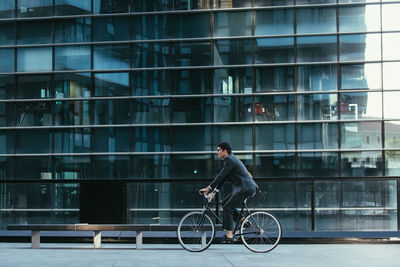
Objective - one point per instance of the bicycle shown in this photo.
(260, 231)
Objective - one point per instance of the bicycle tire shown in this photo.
(260, 232)
(196, 231)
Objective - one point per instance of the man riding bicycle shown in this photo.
(243, 186)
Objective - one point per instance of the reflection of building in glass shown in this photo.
(131, 98)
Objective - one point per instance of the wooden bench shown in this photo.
(96, 228)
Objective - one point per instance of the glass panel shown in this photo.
(76, 140)
(151, 110)
(190, 54)
(7, 9)
(7, 169)
(391, 77)
(233, 81)
(390, 17)
(7, 86)
(6, 145)
(150, 27)
(33, 141)
(73, 30)
(189, 4)
(72, 7)
(360, 47)
(182, 25)
(72, 113)
(274, 79)
(7, 56)
(247, 160)
(261, 3)
(316, 48)
(111, 29)
(34, 114)
(152, 139)
(151, 55)
(190, 166)
(191, 82)
(111, 167)
(72, 85)
(359, 18)
(191, 138)
(317, 78)
(232, 109)
(362, 163)
(35, 32)
(156, 82)
(111, 84)
(363, 76)
(34, 86)
(72, 58)
(317, 107)
(34, 59)
(111, 6)
(274, 137)
(191, 110)
(320, 164)
(391, 108)
(274, 50)
(275, 21)
(361, 135)
(111, 139)
(230, 4)
(392, 166)
(111, 57)
(316, 20)
(151, 166)
(232, 23)
(391, 43)
(274, 108)
(33, 168)
(240, 136)
(38, 8)
(232, 52)
(318, 136)
(116, 111)
(392, 134)
(306, 2)
(154, 5)
(275, 165)
(72, 167)
(355, 106)
(7, 33)
(7, 114)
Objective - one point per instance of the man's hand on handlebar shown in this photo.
(204, 191)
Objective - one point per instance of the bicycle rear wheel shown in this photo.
(196, 231)
(260, 231)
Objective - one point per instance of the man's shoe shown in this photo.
(227, 240)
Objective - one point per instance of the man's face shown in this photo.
(221, 153)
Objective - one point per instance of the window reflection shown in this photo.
(34, 59)
(233, 81)
(151, 166)
(111, 6)
(316, 20)
(154, 5)
(7, 33)
(7, 86)
(72, 85)
(38, 8)
(151, 55)
(232, 52)
(230, 4)
(274, 50)
(240, 136)
(318, 164)
(33, 141)
(275, 165)
(111, 57)
(359, 18)
(360, 106)
(274, 108)
(317, 78)
(7, 168)
(392, 167)
(189, 110)
(111, 139)
(116, 111)
(7, 9)
(152, 139)
(276, 21)
(392, 134)
(73, 30)
(72, 113)
(191, 81)
(157, 82)
(317, 107)
(150, 27)
(232, 109)
(274, 79)
(191, 138)
(232, 23)
(391, 108)
(182, 25)
(111, 84)
(6, 146)
(361, 135)
(190, 54)
(391, 77)
(318, 136)
(151, 110)
(8, 58)
(360, 47)
(72, 7)
(274, 137)
(7, 114)
(33, 168)
(73, 167)
(316, 48)
(34, 114)
(362, 76)
(190, 166)
(72, 58)
(363, 163)
(72, 140)
(111, 167)
(260, 3)
(35, 32)
(38, 86)
(111, 29)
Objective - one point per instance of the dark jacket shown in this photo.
(236, 172)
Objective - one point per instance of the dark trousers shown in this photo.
(230, 213)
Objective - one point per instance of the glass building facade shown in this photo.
(122, 103)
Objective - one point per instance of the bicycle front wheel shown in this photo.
(260, 231)
(196, 231)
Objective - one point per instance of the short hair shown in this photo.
(225, 146)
